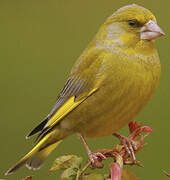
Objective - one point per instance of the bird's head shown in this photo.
(130, 25)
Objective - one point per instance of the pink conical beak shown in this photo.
(150, 31)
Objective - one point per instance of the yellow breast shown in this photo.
(128, 86)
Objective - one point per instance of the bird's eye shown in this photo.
(133, 23)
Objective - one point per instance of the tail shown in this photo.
(35, 158)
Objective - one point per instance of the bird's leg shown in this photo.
(94, 157)
(129, 145)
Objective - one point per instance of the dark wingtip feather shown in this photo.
(27, 137)
(13, 169)
(37, 128)
(8, 172)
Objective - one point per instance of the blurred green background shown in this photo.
(39, 42)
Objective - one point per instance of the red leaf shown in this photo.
(133, 126)
(139, 128)
(146, 129)
(28, 178)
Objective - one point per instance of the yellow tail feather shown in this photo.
(35, 158)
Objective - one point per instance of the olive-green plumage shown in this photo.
(110, 83)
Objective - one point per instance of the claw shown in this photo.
(134, 145)
(96, 159)
(100, 155)
(129, 145)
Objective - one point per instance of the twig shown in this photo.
(167, 174)
(80, 172)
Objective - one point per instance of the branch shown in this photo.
(71, 164)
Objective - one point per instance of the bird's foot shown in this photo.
(96, 159)
(133, 143)
(129, 145)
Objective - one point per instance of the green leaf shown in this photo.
(66, 162)
(69, 174)
(93, 177)
(128, 175)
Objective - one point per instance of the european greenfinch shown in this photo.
(110, 83)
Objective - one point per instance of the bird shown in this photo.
(110, 83)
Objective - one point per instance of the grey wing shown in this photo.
(73, 86)
(79, 82)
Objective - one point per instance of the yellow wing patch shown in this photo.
(67, 107)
